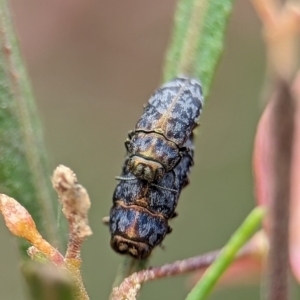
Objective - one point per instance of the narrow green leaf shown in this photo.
(227, 255)
(181, 25)
(24, 173)
(198, 40)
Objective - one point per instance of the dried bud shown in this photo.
(20, 223)
(17, 219)
(74, 199)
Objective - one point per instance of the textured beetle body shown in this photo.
(140, 213)
(135, 230)
(156, 145)
(152, 154)
(173, 110)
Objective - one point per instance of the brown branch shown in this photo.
(131, 285)
(281, 24)
(282, 132)
(76, 204)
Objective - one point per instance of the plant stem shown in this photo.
(129, 266)
(227, 255)
(198, 40)
(282, 126)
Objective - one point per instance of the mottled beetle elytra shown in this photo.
(159, 157)
(155, 146)
(136, 231)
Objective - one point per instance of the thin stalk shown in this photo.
(227, 255)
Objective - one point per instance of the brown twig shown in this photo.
(131, 285)
(282, 129)
(281, 32)
(76, 204)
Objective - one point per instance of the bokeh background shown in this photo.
(93, 64)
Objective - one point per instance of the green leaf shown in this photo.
(24, 172)
(198, 40)
(181, 25)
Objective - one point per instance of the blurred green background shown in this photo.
(93, 65)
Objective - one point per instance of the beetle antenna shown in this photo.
(163, 188)
(124, 178)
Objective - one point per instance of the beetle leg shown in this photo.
(170, 229)
(175, 214)
(196, 125)
(105, 220)
(127, 143)
(130, 134)
(184, 149)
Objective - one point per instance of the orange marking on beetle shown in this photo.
(162, 123)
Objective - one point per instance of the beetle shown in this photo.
(140, 213)
(156, 145)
